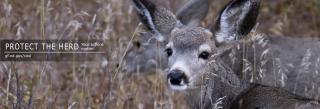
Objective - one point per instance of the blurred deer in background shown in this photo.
(247, 70)
(147, 51)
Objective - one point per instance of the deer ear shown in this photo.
(158, 20)
(193, 12)
(236, 20)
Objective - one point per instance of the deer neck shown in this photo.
(226, 84)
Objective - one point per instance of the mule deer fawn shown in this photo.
(146, 53)
(227, 62)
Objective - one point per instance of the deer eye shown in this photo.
(204, 55)
(137, 44)
(169, 52)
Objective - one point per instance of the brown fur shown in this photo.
(186, 37)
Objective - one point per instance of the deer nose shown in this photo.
(176, 77)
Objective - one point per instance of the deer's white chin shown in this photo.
(178, 87)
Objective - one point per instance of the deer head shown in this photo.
(146, 53)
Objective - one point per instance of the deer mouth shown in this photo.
(178, 87)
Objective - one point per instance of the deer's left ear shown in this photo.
(236, 20)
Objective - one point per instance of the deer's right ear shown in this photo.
(158, 20)
(236, 20)
(193, 12)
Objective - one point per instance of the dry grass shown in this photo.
(90, 84)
